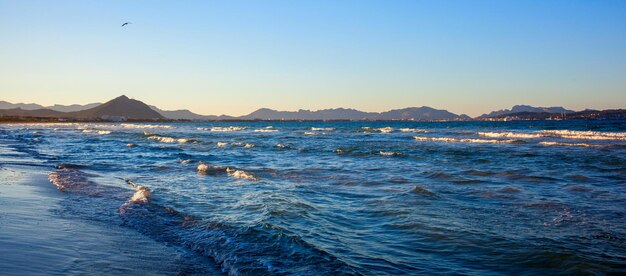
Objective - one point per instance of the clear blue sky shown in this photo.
(235, 56)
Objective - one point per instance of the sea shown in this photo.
(338, 198)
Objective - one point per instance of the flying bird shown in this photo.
(126, 23)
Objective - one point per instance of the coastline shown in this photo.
(36, 237)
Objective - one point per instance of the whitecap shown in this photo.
(142, 194)
(510, 135)
(241, 174)
(165, 139)
(582, 145)
(205, 168)
(101, 132)
(141, 126)
(382, 129)
(385, 129)
(266, 130)
(464, 140)
(224, 129)
(586, 135)
(413, 130)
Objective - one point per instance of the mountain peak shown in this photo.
(121, 106)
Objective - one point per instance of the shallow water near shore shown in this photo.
(337, 198)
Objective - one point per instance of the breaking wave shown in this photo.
(586, 135)
(223, 129)
(413, 130)
(144, 126)
(564, 134)
(255, 250)
(241, 174)
(463, 140)
(390, 153)
(166, 139)
(381, 130)
(204, 168)
(511, 135)
(96, 131)
(582, 145)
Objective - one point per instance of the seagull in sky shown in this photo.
(126, 23)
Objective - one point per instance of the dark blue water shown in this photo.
(351, 198)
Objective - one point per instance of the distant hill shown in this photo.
(609, 114)
(135, 110)
(412, 113)
(56, 107)
(525, 108)
(121, 106)
(423, 113)
(30, 106)
(43, 113)
(72, 108)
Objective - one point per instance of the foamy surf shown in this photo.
(413, 130)
(462, 140)
(586, 135)
(381, 130)
(265, 130)
(142, 194)
(581, 145)
(223, 129)
(511, 135)
(563, 134)
(146, 126)
(166, 139)
(96, 131)
(241, 174)
(204, 168)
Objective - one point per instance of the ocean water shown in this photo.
(322, 198)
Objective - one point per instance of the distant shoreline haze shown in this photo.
(133, 109)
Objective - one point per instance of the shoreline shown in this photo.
(39, 237)
(5, 121)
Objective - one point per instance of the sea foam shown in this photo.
(223, 129)
(462, 140)
(241, 174)
(166, 139)
(586, 135)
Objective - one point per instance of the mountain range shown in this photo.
(56, 107)
(525, 108)
(124, 108)
(120, 108)
(423, 113)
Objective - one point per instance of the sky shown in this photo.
(233, 57)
